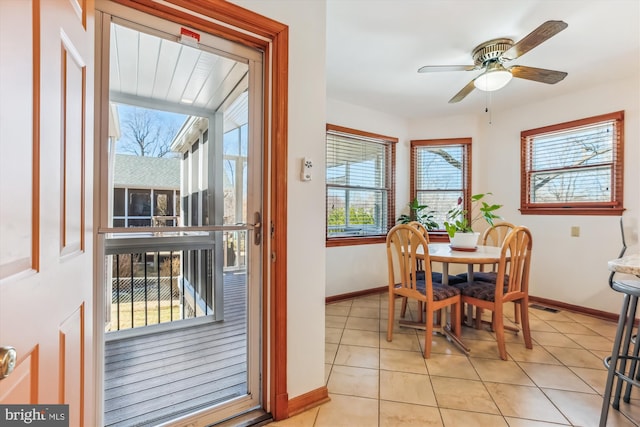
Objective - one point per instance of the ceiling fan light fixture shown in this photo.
(496, 77)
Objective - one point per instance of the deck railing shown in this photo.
(162, 278)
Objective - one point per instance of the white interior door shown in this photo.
(46, 256)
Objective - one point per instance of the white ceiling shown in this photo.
(153, 72)
(375, 47)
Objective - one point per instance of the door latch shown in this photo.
(257, 228)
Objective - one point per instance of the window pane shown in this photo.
(336, 205)
(358, 179)
(590, 185)
(366, 211)
(355, 163)
(119, 202)
(440, 175)
(439, 168)
(366, 216)
(232, 142)
(581, 147)
(440, 202)
(139, 203)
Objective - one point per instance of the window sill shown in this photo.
(355, 241)
(572, 211)
(438, 237)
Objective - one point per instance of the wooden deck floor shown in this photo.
(156, 377)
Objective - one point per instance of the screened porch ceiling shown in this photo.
(152, 72)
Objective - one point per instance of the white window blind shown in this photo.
(358, 185)
(440, 175)
(574, 166)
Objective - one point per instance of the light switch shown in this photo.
(575, 231)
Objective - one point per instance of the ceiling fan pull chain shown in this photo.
(487, 105)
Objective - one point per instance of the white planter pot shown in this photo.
(464, 240)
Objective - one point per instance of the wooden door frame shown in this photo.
(272, 38)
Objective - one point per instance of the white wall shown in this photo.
(354, 268)
(564, 268)
(306, 251)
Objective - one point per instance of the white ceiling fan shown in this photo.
(491, 56)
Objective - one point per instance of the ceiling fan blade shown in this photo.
(537, 74)
(436, 68)
(463, 92)
(542, 33)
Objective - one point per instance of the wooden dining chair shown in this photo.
(436, 276)
(405, 245)
(492, 236)
(513, 272)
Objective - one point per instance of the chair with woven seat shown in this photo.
(436, 276)
(405, 245)
(513, 272)
(492, 236)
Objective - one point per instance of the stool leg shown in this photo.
(632, 371)
(625, 348)
(613, 362)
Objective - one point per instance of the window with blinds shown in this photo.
(441, 174)
(360, 185)
(574, 168)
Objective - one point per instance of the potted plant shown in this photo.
(459, 224)
(418, 212)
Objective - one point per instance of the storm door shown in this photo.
(180, 233)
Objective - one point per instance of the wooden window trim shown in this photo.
(612, 208)
(391, 194)
(441, 235)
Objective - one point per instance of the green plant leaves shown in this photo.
(416, 213)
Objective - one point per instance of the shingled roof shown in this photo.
(159, 173)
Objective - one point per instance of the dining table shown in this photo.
(446, 254)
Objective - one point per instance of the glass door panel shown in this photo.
(182, 267)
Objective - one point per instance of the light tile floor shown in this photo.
(373, 382)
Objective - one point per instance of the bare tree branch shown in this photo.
(447, 157)
(147, 134)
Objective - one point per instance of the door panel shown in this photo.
(16, 160)
(22, 385)
(46, 277)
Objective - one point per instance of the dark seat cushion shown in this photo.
(440, 291)
(480, 290)
(482, 276)
(437, 277)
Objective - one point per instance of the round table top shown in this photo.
(442, 252)
(629, 264)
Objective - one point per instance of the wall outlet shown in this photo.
(575, 231)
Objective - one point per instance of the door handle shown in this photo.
(257, 228)
(8, 357)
